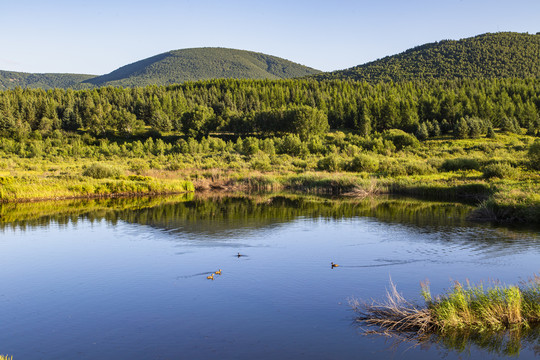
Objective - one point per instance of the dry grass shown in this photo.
(393, 316)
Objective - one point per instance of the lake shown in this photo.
(127, 278)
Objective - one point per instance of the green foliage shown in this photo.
(401, 139)
(422, 132)
(501, 170)
(307, 121)
(195, 122)
(331, 162)
(291, 144)
(498, 55)
(273, 108)
(100, 171)
(363, 163)
(490, 133)
(460, 164)
(533, 154)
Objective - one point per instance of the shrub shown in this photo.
(393, 168)
(260, 161)
(422, 132)
(461, 129)
(363, 163)
(291, 144)
(138, 166)
(533, 155)
(331, 162)
(250, 146)
(499, 170)
(460, 164)
(400, 138)
(100, 171)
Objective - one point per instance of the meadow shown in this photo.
(497, 173)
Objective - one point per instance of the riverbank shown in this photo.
(496, 174)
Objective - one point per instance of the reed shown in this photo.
(469, 307)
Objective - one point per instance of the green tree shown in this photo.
(307, 121)
(194, 123)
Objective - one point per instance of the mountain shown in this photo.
(491, 55)
(200, 64)
(12, 79)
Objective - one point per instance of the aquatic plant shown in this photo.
(469, 307)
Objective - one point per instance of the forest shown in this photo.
(264, 107)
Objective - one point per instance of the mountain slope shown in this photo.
(199, 64)
(498, 55)
(12, 79)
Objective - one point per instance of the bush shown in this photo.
(100, 171)
(393, 168)
(261, 162)
(331, 162)
(363, 163)
(138, 166)
(499, 170)
(460, 164)
(534, 155)
(401, 139)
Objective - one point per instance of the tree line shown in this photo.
(303, 107)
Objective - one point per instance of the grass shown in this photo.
(470, 308)
(6, 357)
(498, 175)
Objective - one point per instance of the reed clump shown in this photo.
(465, 307)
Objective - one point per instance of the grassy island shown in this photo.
(495, 316)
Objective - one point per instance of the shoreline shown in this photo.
(478, 193)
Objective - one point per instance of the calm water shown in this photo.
(119, 279)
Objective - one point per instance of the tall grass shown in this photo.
(465, 307)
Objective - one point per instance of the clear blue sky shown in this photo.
(98, 36)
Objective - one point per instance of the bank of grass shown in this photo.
(32, 187)
(495, 173)
(464, 308)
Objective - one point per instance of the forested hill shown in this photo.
(499, 55)
(12, 79)
(200, 64)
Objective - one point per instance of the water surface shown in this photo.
(113, 279)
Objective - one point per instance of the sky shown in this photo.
(98, 36)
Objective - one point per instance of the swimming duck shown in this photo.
(334, 265)
(211, 277)
(218, 272)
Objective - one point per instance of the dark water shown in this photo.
(126, 279)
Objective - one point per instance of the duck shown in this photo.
(210, 277)
(218, 272)
(239, 255)
(334, 265)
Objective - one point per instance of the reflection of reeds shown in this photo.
(495, 317)
(6, 357)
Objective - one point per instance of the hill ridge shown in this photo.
(203, 63)
(489, 55)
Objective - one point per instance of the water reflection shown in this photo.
(500, 344)
(226, 216)
(143, 263)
